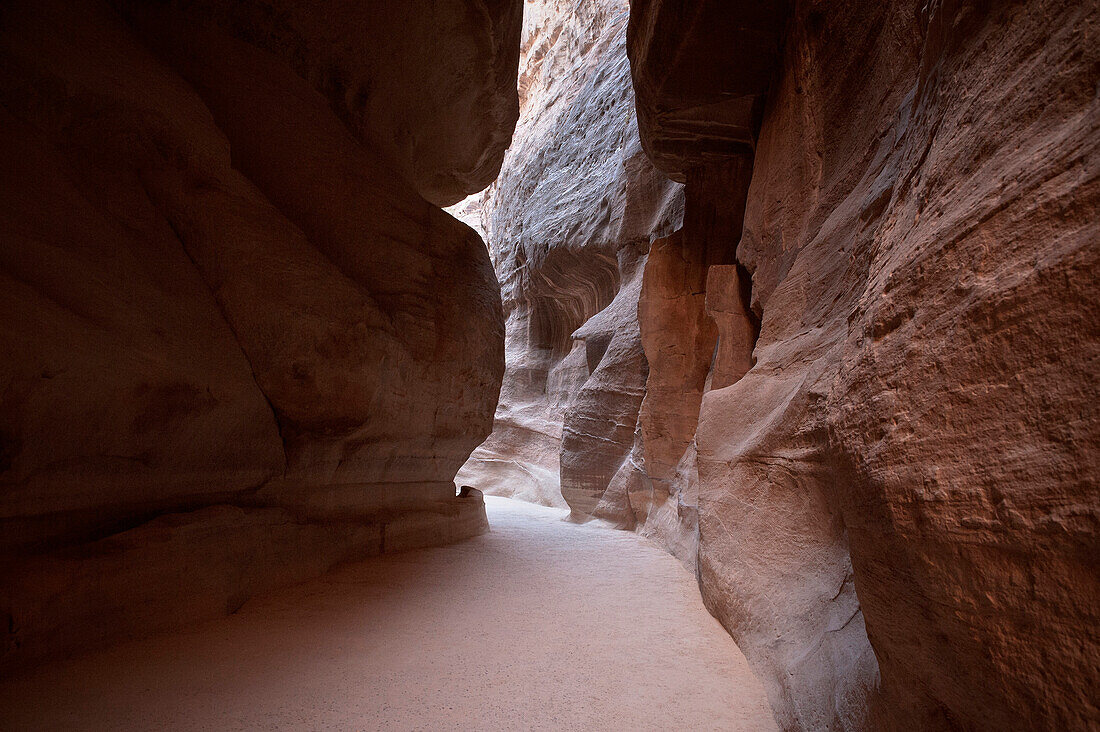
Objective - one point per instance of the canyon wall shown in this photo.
(569, 222)
(897, 496)
(240, 341)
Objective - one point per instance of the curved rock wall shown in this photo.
(678, 315)
(569, 222)
(897, 500)
(429, 86)
(966, 477)
(223, 285)
(855, 389)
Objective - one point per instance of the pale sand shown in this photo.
(541, 624)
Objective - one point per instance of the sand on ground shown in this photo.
(540, 624)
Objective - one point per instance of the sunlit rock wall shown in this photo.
(224, 286)
(569, 223)
(897, 482)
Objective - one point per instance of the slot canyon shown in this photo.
(550, 364)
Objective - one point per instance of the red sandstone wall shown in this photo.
(914, 448)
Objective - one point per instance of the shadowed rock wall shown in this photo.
(907, 460)
(223, 285)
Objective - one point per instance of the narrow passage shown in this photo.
(541, 624)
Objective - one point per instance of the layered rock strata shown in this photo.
(897, 490)
(225, 286)
(569, 222)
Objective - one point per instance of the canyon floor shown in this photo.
(540, 624)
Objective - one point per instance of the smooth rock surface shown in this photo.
(537, 625)
(598, 470)
(701, 69)
(185, 567)
(683, 348)
(568, 224)
(219, 289)
(430, 85)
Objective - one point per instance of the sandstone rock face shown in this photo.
(967, 478)
(598, 470)
(569, 222)
(700, 71)
(428, 85)
(223, 283)
(682, 347)
(897, 490)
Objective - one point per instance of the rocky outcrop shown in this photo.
(846, 371)
(966, 478)
(569, 223)
(223, 285)
(430, 86)
(701, 69)
(896, 489)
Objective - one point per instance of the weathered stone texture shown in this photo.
(913, 448)
(569, 222)
(701, 69)
(220, 287)
(431, 86)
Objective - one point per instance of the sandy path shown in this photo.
(541, 624)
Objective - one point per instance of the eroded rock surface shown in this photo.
(430, 86)
(701, 69)
(569, 223)
(682, 346)
(897, 489)
(223, 285)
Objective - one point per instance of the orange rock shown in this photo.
(908, 464)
